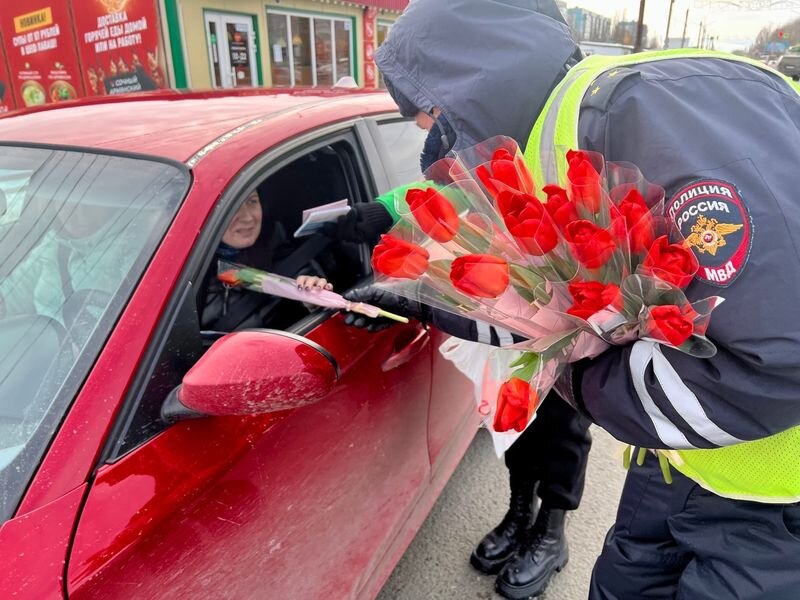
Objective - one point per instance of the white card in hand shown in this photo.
(315, 218)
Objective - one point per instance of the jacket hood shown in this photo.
(489, 65)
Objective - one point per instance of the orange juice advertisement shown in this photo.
(118, 43)
(41, 53)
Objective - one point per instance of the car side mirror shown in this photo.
(251, 373)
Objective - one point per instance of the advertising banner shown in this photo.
(41, 53)
(370, 26)
(6, 94)
(118, 42)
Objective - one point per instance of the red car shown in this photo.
(110, 486)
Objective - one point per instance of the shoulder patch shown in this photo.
(601, 92)
(717, 226)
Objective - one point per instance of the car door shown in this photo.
(298, 504)
(453, 416)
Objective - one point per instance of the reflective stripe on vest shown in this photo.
(765, 470)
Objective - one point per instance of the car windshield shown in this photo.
(77, 230)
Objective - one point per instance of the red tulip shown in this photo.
(585, 182)
(480, 275)
(397, 258)
(591, 245)
(671, 323)
(674, 263)
(559, 206)
(229, 278)
(638, 221)
(590, 297)
(525, 217)
(504, 172)
(434, 213)
(515, 401)
(577, 156)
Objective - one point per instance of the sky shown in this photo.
(734, 28)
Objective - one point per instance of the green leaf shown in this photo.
(522, 361)
(526, 277)
(532, 367)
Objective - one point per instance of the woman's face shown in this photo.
(246, 225)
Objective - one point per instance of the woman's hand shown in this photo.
(306, 282)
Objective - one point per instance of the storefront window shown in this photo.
(343, 43)
(301, 50)
(323, 44)
(278, 31)
(319, 51)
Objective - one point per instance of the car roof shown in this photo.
(178, 126)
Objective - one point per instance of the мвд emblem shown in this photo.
(714, 221)
(708, 235)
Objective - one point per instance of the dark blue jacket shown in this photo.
(691, 125)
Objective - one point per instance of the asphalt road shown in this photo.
(436, 565)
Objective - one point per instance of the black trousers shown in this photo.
(682, 542)
(554, 452)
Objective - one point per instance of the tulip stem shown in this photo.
(392, 316)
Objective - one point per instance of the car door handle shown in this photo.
(407, 345)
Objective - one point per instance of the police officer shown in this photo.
(467, 71)
(720, 134)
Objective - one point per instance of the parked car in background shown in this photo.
(109, 488)
(789, 65)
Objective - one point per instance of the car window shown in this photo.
(313, 180)
(76, 231)
(210, 309)
(403, 142)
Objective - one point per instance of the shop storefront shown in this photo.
(55, 50)
(280, 43)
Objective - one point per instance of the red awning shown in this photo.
(385, 4)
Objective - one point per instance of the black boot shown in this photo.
(541, 554)
(501, 542)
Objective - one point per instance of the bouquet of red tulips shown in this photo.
(571, 268)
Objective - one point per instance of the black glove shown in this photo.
(364, 223)
(387, 301)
